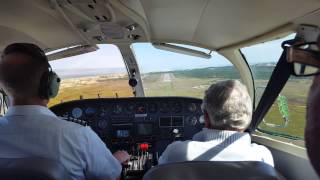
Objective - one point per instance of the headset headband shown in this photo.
(29, 49)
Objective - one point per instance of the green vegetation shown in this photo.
(227, 72)
(296, 91)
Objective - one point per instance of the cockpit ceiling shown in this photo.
(33, 21)
(220, 23)
(213, 24)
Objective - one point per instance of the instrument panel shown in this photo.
(121, 122)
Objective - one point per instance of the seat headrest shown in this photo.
(205, 170)
(32, 168)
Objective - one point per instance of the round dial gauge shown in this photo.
(104, 109)
(77, 112)
(117, 109)
(102, 123)
(192, 107)
(192, 120)
(176, 107)
(130, 108)
(164, 107)
(141, 109)
(152, 108)
(90, 111)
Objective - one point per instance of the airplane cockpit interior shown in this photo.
(135, 72)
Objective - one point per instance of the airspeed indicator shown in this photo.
(77, 112)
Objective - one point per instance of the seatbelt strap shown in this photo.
(278, 79)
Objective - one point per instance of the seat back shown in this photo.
(32, 168)
(213, 170)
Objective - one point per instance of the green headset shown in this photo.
(49, 81)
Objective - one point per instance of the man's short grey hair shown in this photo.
(228, 105)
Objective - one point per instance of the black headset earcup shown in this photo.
(53, 85)
(43, 93)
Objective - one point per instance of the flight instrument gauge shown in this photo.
(177, 107)
(90, 111)
(130, 108)
(192, 107)
(102, 124)
(141, 109)
(117, 109)
(164, 107)
(77, 112)
(192, 120)
(152, 108)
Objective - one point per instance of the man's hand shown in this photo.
(122, 156)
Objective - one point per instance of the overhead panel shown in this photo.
(173, 19)
(33, 21)
(100, 21)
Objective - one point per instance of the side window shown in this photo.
(287, 114)
(286, 117)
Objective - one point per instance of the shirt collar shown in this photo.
(222, 136)
(27, 110)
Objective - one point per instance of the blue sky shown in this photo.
(151, 59)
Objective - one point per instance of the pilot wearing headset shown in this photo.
(30, 129)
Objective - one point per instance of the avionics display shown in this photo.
(145, 129)
(165, 121)
(123, 133)
(176, 121)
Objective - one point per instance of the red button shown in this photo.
(144, 146)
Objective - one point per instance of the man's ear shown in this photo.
(207, 122)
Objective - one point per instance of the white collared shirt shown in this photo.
(216, 145)
(34, 131)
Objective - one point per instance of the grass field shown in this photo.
(92, 87)
(190, 83)
(296, 91)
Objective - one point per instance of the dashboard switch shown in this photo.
(144, 146)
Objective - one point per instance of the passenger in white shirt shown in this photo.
(227, 111)
(30, 129)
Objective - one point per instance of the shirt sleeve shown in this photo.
(265, 154)
(267, 158)
(100, 163)
(164, 157)
(175, 152)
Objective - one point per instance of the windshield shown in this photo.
(96, 74)
(166, 73)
